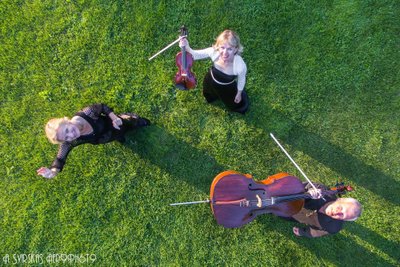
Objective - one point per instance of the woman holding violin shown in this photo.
(227, 77)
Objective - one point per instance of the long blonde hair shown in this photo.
(52, 127)
(232, 38)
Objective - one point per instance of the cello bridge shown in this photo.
(244, 203)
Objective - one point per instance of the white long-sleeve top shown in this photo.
(239, 67)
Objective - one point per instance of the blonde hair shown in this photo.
(232, 38)
(357, 207)
(52, 127)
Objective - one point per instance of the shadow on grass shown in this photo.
(197, 168)
(175, 156)
(289, 133)
(389, 247)
(335, 249)
(330, 155)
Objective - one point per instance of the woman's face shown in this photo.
(341, 210)
(68, 132)
(226, 52)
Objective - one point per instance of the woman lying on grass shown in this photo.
(95, 124)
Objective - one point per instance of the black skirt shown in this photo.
(218, 85)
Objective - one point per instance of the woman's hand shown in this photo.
(46, 172)
(315, 193)
(116, 121)
(296, 231)
(183, 42)
(238, 97)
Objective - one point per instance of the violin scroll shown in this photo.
(341, 188)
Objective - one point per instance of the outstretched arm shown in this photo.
(58, 163)
(197, 54)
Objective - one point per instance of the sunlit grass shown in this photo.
(323, 77)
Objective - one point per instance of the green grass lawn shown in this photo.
(323, 76)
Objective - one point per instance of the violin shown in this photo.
(237, 199)
(184, 78)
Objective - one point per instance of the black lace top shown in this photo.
(103, 132)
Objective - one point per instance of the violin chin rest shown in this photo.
(181, 86)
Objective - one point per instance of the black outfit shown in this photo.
(317, 222)
(218, 85)
(103, 131)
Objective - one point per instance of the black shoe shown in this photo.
(121, 139)
(143, 122)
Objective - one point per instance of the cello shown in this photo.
(184, 78)
(237, 199)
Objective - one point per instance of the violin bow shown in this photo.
(295, 164)
(165, 48)
(171, 44)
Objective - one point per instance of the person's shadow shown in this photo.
(326, 248)
(298, 138)
(198, 168)
(175, 156)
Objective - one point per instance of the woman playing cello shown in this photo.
(237, 199)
